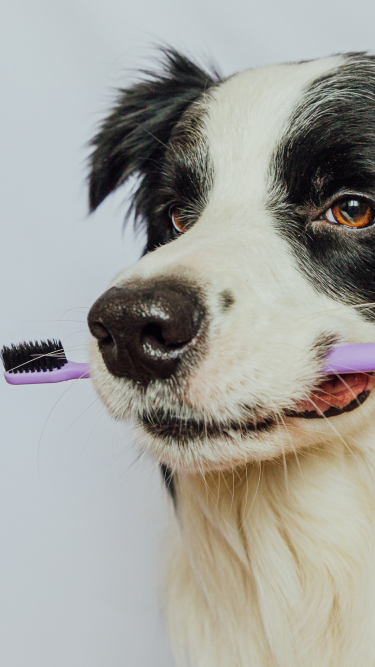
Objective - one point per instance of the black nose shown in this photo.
(146, 328)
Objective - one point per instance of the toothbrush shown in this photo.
(355, 358)
(45, 361)
(39, 363)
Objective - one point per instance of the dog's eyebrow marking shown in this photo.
(226, 300)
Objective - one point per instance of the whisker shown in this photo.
(283, 453)
(332, 427)
(48, 417)
(101, 413)
(245, 519)
(292, 443)
(75, 421)
(47, 321)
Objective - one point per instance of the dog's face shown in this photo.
(259, 197)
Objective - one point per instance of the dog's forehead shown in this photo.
(248, 114)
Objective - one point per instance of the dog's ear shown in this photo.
(134, 137)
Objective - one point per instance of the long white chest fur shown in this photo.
(275, 567)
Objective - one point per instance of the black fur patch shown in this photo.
(169, 481)
(149, 134)
(329, 149)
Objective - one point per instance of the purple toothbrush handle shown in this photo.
(359, 357)
(71, 371)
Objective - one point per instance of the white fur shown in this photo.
(273, 560)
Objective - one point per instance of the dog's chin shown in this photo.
(205, 444)
(198, 446)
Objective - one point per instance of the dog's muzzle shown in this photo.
(146, 329)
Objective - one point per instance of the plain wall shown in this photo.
(82, 515)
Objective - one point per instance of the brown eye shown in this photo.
(351, 213)
(177, 220)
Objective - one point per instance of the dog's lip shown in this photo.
(169, 426)
(335, 395)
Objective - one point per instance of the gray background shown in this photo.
(82, 518)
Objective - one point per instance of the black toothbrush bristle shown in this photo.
(34, 357)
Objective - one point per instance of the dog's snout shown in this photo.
(146, 329)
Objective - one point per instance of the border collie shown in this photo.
(258, 193)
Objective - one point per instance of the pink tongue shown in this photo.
(337, 392)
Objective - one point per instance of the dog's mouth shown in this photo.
(334, 396)
(169, 427)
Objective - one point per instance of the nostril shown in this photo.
(101, 332)
(152, 334)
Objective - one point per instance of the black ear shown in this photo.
(133, 138)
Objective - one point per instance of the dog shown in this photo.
(258, 195)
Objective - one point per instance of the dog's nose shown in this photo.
(146, 329)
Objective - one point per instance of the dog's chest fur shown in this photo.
(272, 562)
(268, 570)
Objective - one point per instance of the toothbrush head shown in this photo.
(33, 357)
(40, 363)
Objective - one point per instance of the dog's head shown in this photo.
(258, 192)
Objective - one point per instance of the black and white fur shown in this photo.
(273, 561)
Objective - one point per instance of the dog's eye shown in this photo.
(351, 213)
(177, 220)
